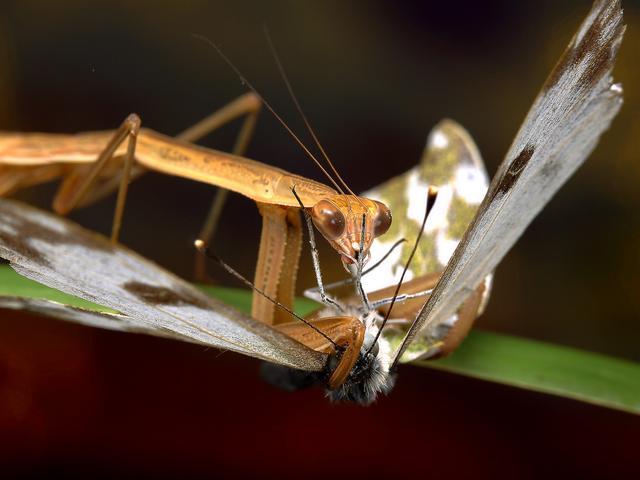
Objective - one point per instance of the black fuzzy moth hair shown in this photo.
(369, 377)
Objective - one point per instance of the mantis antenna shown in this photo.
(268, 105)
(294, 98)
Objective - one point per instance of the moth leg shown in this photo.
(247, 105)
(410, 299)
(73, 190)
(402, 297)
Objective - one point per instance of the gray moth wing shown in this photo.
(91, 318)
(62, 255)
(576, 105)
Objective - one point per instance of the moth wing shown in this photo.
(576, 105)
(452, 162)
(91, 318)
(64, 256)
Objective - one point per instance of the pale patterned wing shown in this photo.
(576, 105)
(62, 255)
(451, 162)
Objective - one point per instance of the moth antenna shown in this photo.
(294, 98)
(359, 287)
(385, 256)
(200, 246)
(431, 200)
(249, 85)
(350, 280)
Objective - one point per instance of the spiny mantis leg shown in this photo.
(403, 297)
(290, 264)
(278, 257)
(278, 260)
(313, 294)
(324, 298)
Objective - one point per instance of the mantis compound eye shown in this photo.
(328, 219)
(382, 220)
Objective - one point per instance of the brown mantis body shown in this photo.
(93, 164)
(89, 165)
(85, 160)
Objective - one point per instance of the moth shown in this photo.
(467, 235)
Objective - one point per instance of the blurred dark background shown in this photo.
(374, 77)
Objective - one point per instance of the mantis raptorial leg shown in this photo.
(278, 256)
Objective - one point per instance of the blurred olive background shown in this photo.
(373, 77)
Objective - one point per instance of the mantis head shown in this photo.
(339, 220)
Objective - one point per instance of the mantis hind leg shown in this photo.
(16, 177)
(277, 267)
(76, 185)
(74, 190)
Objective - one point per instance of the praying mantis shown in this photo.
(89, 163)
(469, 234)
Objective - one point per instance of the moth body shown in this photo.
(356, 370)
(370, 375)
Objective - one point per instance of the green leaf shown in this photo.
(528, 364)
(544, 367)
(241, 299)
(14, 285)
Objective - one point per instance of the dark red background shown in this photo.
(374, 77)
(101, 403)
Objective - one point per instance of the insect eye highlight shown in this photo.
(382, 220)
(328, 219)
